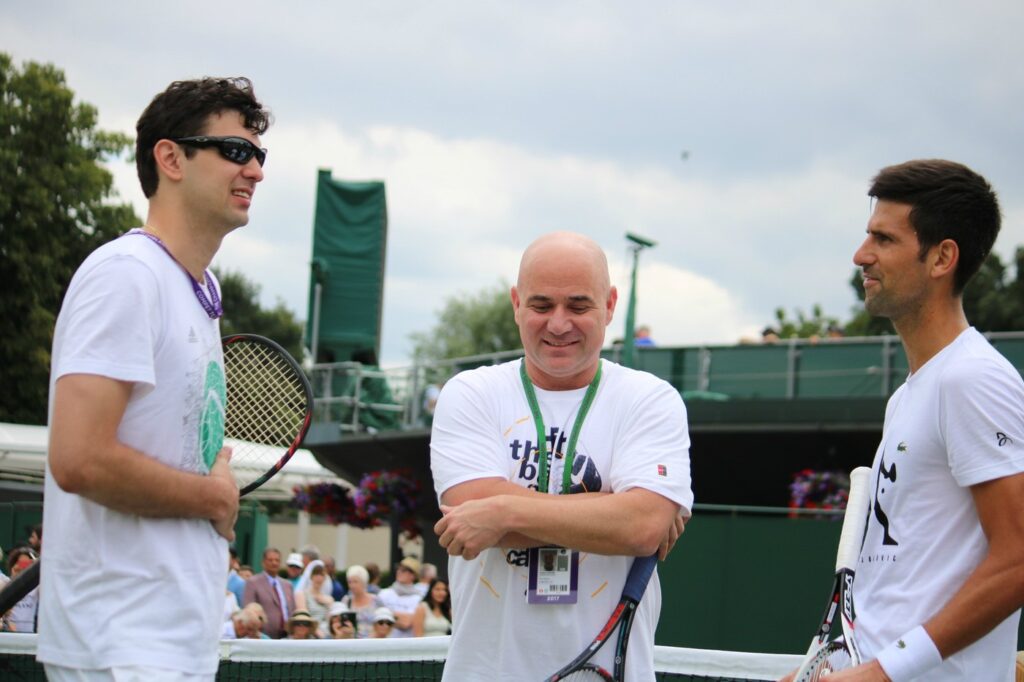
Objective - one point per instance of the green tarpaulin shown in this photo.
(349, 248)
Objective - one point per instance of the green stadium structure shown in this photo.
(346, 285)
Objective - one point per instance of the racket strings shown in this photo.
(833, 658)
(266, 407)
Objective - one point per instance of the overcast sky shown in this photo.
(494, 122)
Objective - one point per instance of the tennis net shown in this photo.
(403, 660)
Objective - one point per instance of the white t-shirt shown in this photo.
(956, 422)
(119, 589)
(635, 435)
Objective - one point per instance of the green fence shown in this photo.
(749, 579)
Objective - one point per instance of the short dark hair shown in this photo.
(182, 110)
(949, 201)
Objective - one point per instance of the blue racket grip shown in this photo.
(639, 576)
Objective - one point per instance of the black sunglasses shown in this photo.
(235, 149)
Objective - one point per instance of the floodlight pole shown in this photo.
(637, 244)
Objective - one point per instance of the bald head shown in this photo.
(558, 247)
(563, 300)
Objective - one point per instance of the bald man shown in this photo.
(541, 538)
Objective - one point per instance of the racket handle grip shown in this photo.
(639, 576)
(855, 519)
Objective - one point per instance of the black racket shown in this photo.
(826, 656)
(632, 592)
(269, 408)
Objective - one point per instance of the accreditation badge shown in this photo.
(554, 575)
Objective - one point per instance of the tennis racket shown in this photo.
(827, 655)
(269, 409)
(581, 668)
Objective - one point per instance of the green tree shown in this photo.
(244, 315)
(57, 204)
(803, 327)
(470, 324)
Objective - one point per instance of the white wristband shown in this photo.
(910, 656)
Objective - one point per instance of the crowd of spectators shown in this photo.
(305, 599)
(301, 599)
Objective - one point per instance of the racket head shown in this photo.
(269, 408)
(832, 657)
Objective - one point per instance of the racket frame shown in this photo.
(841, 600)
(307, 390)
(622, 615)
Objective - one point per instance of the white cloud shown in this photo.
(491, 123)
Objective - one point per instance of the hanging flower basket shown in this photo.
(386, 495)
(826, 490)
(380, 498)
(329, 501)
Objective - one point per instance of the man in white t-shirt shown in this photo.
(541, 538)
(940, 581)
(139, 499)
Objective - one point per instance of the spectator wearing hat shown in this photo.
(341, 622)
(403, 596)
(360, 600)
(302, 626)
(274, 594)
(294, 567)
(383, 624)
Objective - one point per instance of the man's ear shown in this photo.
(613, 297)
(169, 158)
(514, 295)
(944, 258)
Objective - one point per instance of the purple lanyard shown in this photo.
(214, 309)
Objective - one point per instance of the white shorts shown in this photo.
(131, 673)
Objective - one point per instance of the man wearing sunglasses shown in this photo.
(140, 502)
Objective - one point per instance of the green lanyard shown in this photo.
(542, 441)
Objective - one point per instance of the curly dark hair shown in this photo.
(949, 201)
(182, 110)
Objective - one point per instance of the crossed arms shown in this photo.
(493, 512)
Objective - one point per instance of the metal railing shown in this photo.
(366, 399)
